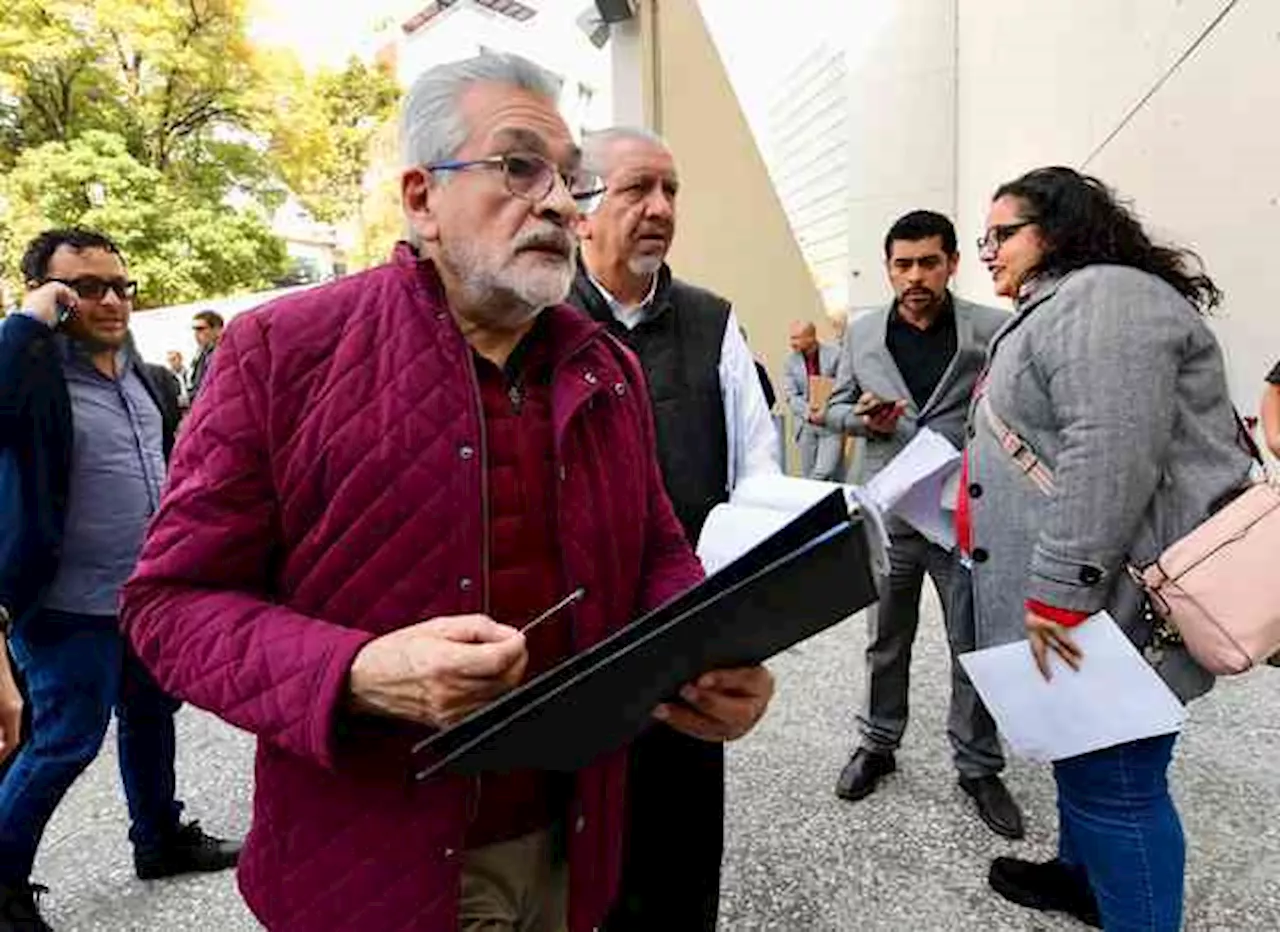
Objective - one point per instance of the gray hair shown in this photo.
(431, 126)
(596, 146)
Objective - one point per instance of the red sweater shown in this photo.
(524, 565)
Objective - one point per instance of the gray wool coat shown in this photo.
(1119, 387)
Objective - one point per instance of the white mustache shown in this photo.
(553, 238)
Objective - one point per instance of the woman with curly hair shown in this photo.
(1115, 388)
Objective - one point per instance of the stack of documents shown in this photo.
(812, 572)
(1114, 698)
(919, 486)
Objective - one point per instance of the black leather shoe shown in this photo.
(18, 910)
(995, 806)
(1048, 887)
(863, 772)
(188, 851)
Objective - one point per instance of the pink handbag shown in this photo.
(1218, 587)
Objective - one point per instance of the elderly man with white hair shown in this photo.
(714, 430)
(391, 476)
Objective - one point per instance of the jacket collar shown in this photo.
(566, 330)
(597, 304)
(1038, 289)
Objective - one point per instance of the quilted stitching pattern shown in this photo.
(328, 488)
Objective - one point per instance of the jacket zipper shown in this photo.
(473, 810)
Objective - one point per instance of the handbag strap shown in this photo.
(1021, 452)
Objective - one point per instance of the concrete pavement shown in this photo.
(911, 857)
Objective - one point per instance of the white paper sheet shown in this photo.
(762, 505)
(928, 456)
(732, 530)
(1115, 697)
(920, 485)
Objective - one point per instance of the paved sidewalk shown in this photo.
(911, 857)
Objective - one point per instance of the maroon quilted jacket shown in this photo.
(329, 488)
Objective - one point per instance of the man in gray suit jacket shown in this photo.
(820, 448)
(915, 365)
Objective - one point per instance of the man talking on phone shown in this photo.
(909, 366)
(84, 435)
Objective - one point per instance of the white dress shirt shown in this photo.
(752, 437)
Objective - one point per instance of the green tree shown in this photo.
(321, 141)
(172, 77)
(180, 248)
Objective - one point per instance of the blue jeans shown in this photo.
(1117, 822)
(77, 668)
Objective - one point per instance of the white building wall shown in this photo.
(1048, 83)
(1173, 102)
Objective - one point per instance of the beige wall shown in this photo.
(1043, 83)
(732, 234)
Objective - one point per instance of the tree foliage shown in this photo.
(168, 109)
(321, 136)
(178, 248)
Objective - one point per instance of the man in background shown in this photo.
(207, 327)
(84, 434)
(913, 365)
(810, 366)
(713, 431)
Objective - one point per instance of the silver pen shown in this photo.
(575, 596)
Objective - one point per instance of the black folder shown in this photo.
(811, 574)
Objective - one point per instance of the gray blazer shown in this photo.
(795, 381)
(867, 365)
(1119, 386)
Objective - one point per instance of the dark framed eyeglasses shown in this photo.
(531, 177)
(996, 236)
(92, 288)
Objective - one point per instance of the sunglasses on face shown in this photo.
(92, 288)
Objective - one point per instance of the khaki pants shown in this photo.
(514, 886)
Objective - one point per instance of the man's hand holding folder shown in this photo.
(438, 671)
(720, 706)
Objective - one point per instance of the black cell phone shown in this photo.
(65, 313)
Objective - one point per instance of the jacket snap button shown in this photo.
(465, 583)
(590, 378)
(466, 451)
(975, 490)
(1090, 575)
(981, 555)
(619, 388)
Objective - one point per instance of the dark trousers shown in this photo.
(891, 634)
(675, 835)
(77, 668)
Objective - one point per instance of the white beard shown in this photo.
(645, 266)
(546, 285)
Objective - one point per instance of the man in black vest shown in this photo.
(713, 430)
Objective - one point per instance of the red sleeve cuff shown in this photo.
(1063, 616)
